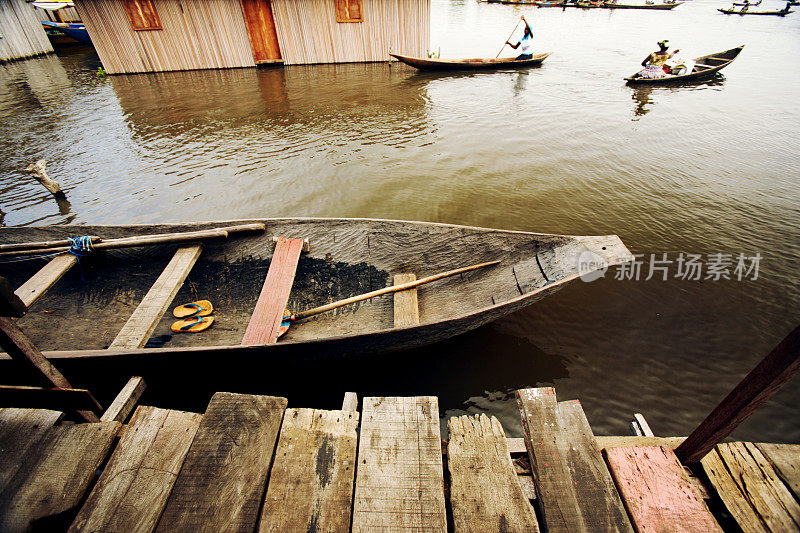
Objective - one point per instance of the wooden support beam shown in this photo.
(485, 492)
(48, 398)
(55, 476)
(133, 489)
(143, 321)
(656, 490)
(269, 310)
(350, 402)
(311, 481)
(406, 305)
(574, 487)
(767, 378)
(123, 404)
(48, 275)
(639, 426)
(222, 481)
(10, 303)
(399, 483)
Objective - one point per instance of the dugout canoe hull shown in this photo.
(720, 60)
(80, 315)
(422, 63)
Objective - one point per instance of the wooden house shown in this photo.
(21, 33)
(163, 35)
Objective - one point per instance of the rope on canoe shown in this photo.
(81, 247)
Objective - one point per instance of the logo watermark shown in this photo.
(683, 266)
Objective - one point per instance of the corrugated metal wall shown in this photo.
(22, 33)
(201, 34)
(196, 34)
(308, 31)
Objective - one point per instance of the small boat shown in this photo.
(780, 13)
(82, 314)
(664, 6)
(73, 29)
(423, 63)
(704, 66)
(748, 3)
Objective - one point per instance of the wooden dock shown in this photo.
(252, 462)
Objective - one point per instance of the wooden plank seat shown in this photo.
(785, 458)
(311, 481)
(406, 306)
(221, 484)
(574, 488)
(268, 313)
(20, 430)
(656, 490)
(750, 488)
(485, 493)
(140, 325)
(55, 474)
(46, 277)
(399, 482)
(133, 489)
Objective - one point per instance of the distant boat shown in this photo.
(470, 64)
(704, 67)
(780, 13)
(75, 30)
(749, 3)
(664, 6)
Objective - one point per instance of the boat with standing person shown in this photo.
(423, 63)
(745, 11)
(97, 300)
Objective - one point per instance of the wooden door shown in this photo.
(261, 29)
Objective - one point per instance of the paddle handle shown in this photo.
(509, 37)
(387, 290)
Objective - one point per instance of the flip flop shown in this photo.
(192, 324)
(198, 308)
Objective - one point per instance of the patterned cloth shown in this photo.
(653, 72)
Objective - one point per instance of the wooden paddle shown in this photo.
(385, 290)
(509, 37)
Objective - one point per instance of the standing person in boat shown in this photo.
(654, 63)
(526, 42)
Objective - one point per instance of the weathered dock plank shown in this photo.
(485, 493)
(399, 480)
(20, 430)
(46, 277)
(133, 489)
(406, 304)
(223, 477)
(268, 312)
(574, 487)
(657, 492)
(55, 473)
(311, 481)
(145, 318)
(751, 489)
(785, 458)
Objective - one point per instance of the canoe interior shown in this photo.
(90, 304)
(705, 66)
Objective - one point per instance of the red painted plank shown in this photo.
(268, 313)
(656, 491)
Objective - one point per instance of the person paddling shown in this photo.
(526, 42)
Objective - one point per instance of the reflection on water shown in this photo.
(565, 148)
(643, 95)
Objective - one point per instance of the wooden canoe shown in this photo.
(780, 13)
(80, 318)
(470, 64)
(705, 66)
(663, 7)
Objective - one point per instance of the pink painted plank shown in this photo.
(268, 313)
(656, 490)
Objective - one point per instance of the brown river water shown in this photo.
(705, 168)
